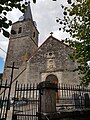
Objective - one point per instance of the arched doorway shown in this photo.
(53, 79)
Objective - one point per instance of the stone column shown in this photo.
(48, 97)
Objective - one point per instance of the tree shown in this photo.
(6, 6)
(76, 22)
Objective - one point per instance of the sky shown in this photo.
(45, 13)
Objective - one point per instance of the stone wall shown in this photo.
(21, 45)
(27, 28)
(52, 58)
(70, 115)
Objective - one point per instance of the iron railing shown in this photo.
(26, 104)
(4, 99)
(72, 97)
(5, 91)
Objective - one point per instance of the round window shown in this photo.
(50, 54)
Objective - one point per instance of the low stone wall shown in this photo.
(68, 115)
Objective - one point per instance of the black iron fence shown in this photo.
(27, 100)
(5, 90)
(72, 97)
(26, 104)
(4, 99)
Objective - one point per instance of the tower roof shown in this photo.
(28, 14)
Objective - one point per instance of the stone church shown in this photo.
(50, 61)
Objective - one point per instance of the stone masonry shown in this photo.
(21, 45)
(35, 64)
(52, 58)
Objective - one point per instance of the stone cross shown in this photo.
(51, 33)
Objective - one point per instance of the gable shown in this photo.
(51, 57)
(51, 46)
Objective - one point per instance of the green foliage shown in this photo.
(76, 22)
(6, 6)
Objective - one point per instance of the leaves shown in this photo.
(76, 22)
(69, 1)
(5, 25)
(6, 6)
(1, 9)
(34, 1)
(5, 33)
(65, 13)
(13, 32)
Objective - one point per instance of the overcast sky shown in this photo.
(44, 12)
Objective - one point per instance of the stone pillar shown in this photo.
(48, 97)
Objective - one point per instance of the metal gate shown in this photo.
(4, 100)
(5, 89)
(26, 104)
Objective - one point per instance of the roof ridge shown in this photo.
(44, 43)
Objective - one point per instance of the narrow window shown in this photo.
(33, 34)
(20, 30)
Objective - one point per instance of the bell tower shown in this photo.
(24, 42)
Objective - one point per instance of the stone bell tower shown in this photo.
(24, 42)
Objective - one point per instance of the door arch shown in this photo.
(52, 79)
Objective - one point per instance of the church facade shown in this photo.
(49, 62)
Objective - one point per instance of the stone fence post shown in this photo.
(48, 97)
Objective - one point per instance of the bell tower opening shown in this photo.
(20, 30)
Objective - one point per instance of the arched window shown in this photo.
(33, 34)
(20, 30)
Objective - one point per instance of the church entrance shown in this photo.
(53, 79)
